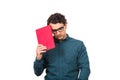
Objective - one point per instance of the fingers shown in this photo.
(41, 46)
(41, 49)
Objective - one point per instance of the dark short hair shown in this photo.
(56, 18)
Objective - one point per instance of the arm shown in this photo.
(83, 63)
(39, 66)
(39, 63)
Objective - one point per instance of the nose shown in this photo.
(57, 32)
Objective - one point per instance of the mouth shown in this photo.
(59, 37)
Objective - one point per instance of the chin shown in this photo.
(59, 38)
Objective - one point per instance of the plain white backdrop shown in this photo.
(96, 22)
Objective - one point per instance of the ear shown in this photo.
(65, 26)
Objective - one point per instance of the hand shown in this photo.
(39, 50)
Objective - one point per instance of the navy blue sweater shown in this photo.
(67, 61)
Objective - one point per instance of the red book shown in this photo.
(44, 36)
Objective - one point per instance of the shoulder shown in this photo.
(75, 40)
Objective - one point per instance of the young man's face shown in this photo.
(59, 30)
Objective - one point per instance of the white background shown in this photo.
(96, 22)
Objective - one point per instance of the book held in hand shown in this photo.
(44, 37)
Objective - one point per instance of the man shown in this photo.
(68, 60)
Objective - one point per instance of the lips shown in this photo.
(59, 37)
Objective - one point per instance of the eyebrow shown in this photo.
(58, 28)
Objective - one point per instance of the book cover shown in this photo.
(44, 37)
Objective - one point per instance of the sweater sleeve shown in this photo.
(39, 66)
(83, 63)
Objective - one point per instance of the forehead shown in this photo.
(57, 25)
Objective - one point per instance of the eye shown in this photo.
(61, 28)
